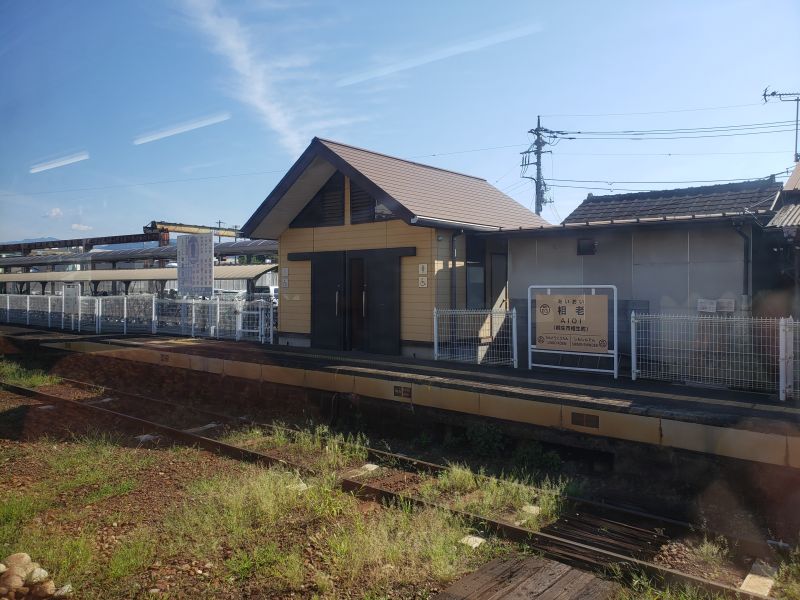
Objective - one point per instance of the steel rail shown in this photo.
(754, 548)
(552, 546)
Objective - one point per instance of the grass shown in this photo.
(399, 545)
(16, 374)
(269, 561)
(497, 497)
(713, 552)
(329, 451)
(787, 583)
(643, 588)
(134, 554)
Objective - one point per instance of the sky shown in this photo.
(116, 114)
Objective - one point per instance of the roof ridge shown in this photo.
(405, 160)
(684, 191)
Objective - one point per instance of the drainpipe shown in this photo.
(453, 267)
(746, 274)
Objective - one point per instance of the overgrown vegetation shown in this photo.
(787, 583)
(714, 552)
(642, 587)
(506, 497)
(15, 374)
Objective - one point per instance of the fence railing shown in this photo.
(737, 352)
(230, 319)
(485, 337)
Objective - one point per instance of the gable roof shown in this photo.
(709, 201)
(419, 194)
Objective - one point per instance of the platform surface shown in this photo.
(724, 422)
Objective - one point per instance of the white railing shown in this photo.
(485, 337)
(230, 319)
(737, 352)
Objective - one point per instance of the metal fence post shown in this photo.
(782, 359)
(514, 335)
(125, 315)
(8, 309)
(790, 325)
(98, 315)
(48, 311)
(271, 322)
(28, 309)
(193, 313)
(62, 312)
(153, 321)
(435, 334)
(633, 345)
(80, 302)
(216, 321)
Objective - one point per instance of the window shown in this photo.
(364, 208)
(326, 208)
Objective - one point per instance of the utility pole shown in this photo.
(537, 149)
(789, 97)
(220, 223)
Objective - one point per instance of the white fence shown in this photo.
(746, 353)
(485, 337)
(231, 319)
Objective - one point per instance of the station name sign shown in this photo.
(572, 322)
(196, 265)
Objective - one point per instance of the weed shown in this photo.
(16, 374)
(109, 490)
(530, 457)
(68, 557)
(398, 545)
(15, 511)
(788, 579)
(485, 439)
(642, 587)
(132, 555)
(712, 551)
(268, 560)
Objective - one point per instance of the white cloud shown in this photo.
(59, 162)
(80, 227)
(54, 213)
(181, 128)
(255, 86)
(439, 54)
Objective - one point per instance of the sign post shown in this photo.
(196, 265)
(572, 323)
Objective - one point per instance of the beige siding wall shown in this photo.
(416, 303)
(442, 262)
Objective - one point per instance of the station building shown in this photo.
(369, 244)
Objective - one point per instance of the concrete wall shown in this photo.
(655, 269)
(669, 269)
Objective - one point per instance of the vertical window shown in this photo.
(364, 208)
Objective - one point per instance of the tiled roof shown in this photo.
(685, 203)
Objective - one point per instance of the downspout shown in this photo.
(453, 267)
(746, 274)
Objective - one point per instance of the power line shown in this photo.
(572, 136)
(657, 112)
(742, 126)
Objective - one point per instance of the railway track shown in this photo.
(588, 534)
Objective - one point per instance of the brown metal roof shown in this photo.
(438, 194)
(420, 194)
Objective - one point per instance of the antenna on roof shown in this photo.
(536, 149)
(788, 97)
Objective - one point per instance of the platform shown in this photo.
(738, 425)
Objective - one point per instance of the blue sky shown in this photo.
(206, 103)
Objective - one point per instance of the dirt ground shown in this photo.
(120, 521)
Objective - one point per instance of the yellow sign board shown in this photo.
(572, 323)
